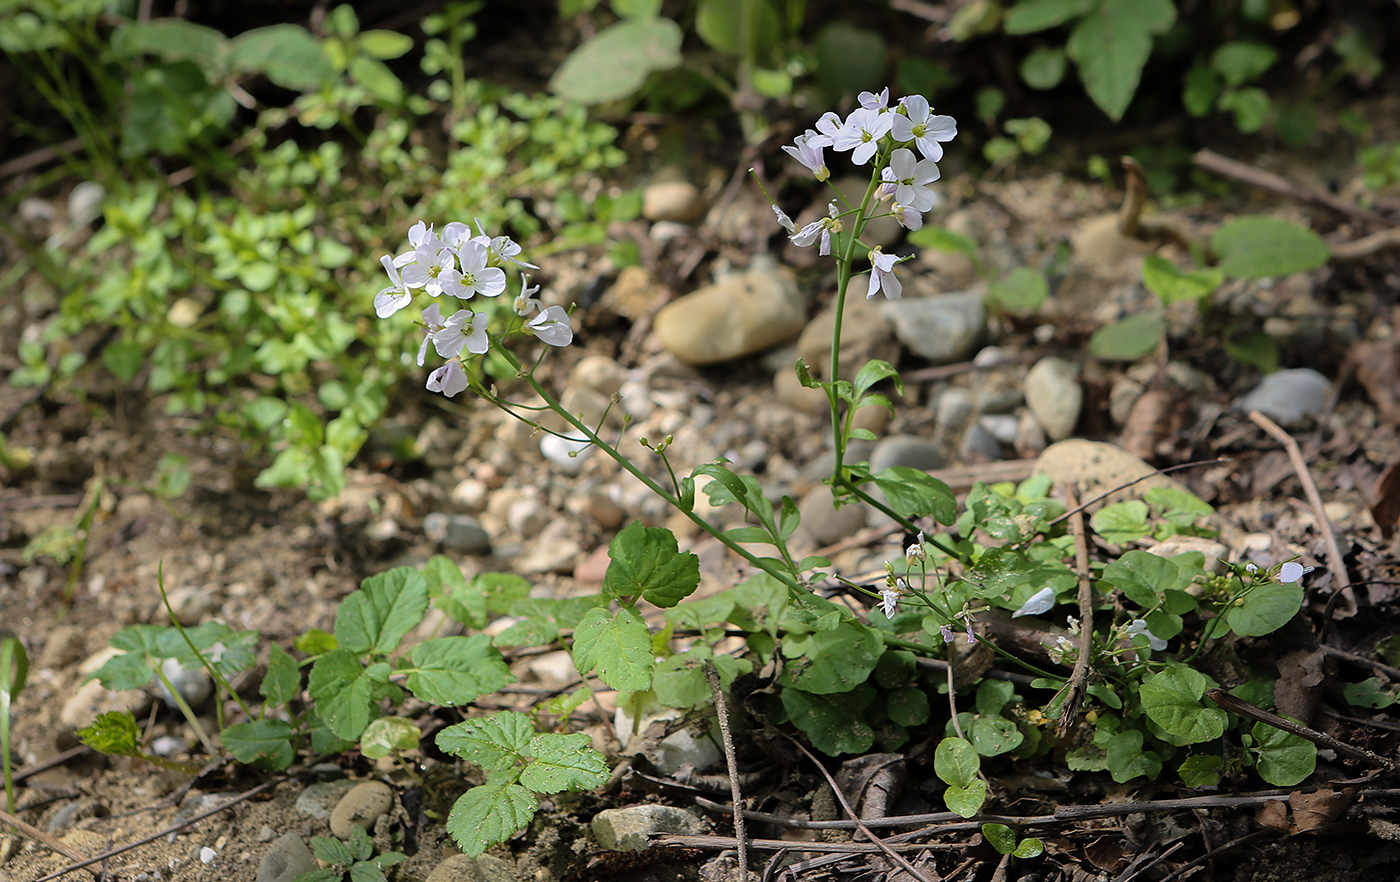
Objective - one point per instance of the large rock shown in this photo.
(1096, 468)
(734, 317)
(626, 829)
(1289, 397)
(942, 328)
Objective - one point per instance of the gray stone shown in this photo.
(910, 451)
(865, 334)
(526, 517)
(980, 445)
(626, 829)
(686, 748)
(955, 406)
(457, 532)
(599, 373)
(1289, 397)
(192, 604)
(486, 868)
(1000, 426)
(364, 804)
(733, 317)
(318, 799)
(942, 328)
(1054, 396)
(822, 522)
(193, 683)
(1215, 553)
(287, 858)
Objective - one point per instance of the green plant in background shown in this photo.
(355, 858)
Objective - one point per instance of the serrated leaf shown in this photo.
(315, 642)
(1256, 247)
(616, 62)
(114, 733)
(265, 743)
(342, 693)
(617, 645)
(331, 851)
(1172, 698)
(387, 606)
(915, 494)
(1201, 771)
(452, 671)
(282, 682)
(647, 561)
(564, 762)
(1128, 339)
(495, 743)
(449, 592)
(489, 815)
(126, 671)
(1111, 45)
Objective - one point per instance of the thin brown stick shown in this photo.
(1176, 468)
(1391, 672)
(1357, 249)
(1341, 582)
(1226, 167)
(60, 759)
(1078, 682)
(1134, 197)
(266, 785)
(723, 843)
(1321, 739)
(727, 739)
(43, 838)
(860, 825)
(1215, 852)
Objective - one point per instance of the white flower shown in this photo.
(420, 235)
(1139, 626)
(524, 303)
(883, 275)
(1292, 571)
(1251, 568)
(1040, 602)
(449, 379)
(455, 233)
(862, 133)
(477, 277)
(911, 179)
(916, 553)
(461, 332)
(433, 271)
(396, 296)
(432, 323)
(917, 124)
(908, 217)
(827, 128)
(552, 326)
(889, 597)
(784, 221)
(872, 101)
(809, 154)
(820, 229)
(500, 249)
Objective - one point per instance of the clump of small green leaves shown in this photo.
(115, 733)
(355, 858)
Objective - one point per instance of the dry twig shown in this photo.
(727, 739)
(52, 842)
(1079, 678)
(1321, 739)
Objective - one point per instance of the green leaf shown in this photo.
(1265, 610)
(1201, 771)
(723, 25)
(342, 693)
(1284, 759)
(331, 851)
(837, 660)
(1122, 522)
(616, 62)
(1111, 45)
(849, 60)
(1251, 107)
(385, 45)
(1240, 61)
(173, 39)
(943, 239)
(618, 645)
(1030, 847)
(1368, 693)
(1171, 284)
(1126, 759)
(489, 814)
(449, 593)
(495, 743)
(1029, 16)
(1200, 91)
(1044, 67)
(124, 359)
(264, 743)
(966, 801)
(915, 494)
(956, 762)
(564, 762)
(680, 681)
(388, 734)
(1000, 837)
(1142, 576)
(375, 76)
(1128, 339)
(287, 54)
(452, 671)
(1172, 698)
(388, 605)
(1256, 349)
(282, 681)
(1256, 247)
(315, 642)
(1021, 291)
(908, 706)
(835, 723)
(114, 733)
(646, 561)
(993, 736)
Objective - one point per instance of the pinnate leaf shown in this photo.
(617, 644)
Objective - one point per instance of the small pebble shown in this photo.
(364, 804)
(1289, 397)
(286, 859)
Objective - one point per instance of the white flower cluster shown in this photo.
(886, 134)
(459, 264)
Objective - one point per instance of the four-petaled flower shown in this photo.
(875, 101)
(862, 133)
(911, 179)
(449, 379)
(459, 332)
(476, 276)
(524, 303)
(917, 124)
(552, 326)
(435, 271)
(820, 229)
(396, 296)
(889, 596)
(809, 154)
(883, 275)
